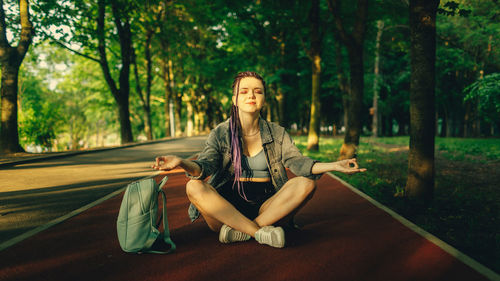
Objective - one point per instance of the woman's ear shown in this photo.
(234, 99)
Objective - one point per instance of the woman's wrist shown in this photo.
(190, 167)
(320, 168)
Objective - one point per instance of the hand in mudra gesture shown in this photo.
(349, 166)
(166, 163)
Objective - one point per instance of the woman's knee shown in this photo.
(306, 186)
(195, 189)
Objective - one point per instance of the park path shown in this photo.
(34, 193)
(344, 236)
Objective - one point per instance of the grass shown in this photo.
(455, 148)
(466, 205)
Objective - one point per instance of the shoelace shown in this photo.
(267, 235)
(236, 235)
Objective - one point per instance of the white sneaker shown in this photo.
(229, 235)
(272, 236)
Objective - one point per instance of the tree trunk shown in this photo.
(314, 121)
(376, 72)
(280, 94)
(169, 85)
(11, 59)
(315, 56)
(280, 100)
(467, 119)
(353, 130)
(343, 84)
(420, 183)
(145, 100)
(189, 117)
(177, 114)
(148, 127)
(9, 128)
(354, 43)
(125, 125)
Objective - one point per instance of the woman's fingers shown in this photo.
(159, 162)
(165, 163)
(354, 167)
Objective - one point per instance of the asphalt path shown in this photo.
(33, 194)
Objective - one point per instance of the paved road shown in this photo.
(35, 193)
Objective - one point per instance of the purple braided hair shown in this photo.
(235, 127)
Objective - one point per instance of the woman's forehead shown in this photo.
(250, 82)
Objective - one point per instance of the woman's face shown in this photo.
(251, 96)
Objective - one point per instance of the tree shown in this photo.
(121, 93)
(420, 182)
(354, 43)
(466, 39)
(150, 16)
(10, 60)
(315, 57)
(376, 71)
(86, 24)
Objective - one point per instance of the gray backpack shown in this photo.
(136, 225)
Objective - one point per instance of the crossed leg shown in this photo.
(218, 211)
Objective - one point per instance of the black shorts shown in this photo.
(256, 192)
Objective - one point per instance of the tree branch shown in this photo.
(26, 29)
(306, 50)
(149, 37)
(4, 43)
(125, 36)
(103, 61)
(137, 80)
(54, 40)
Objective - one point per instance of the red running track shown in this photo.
(344, 237)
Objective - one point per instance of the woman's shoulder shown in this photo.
(274, 126)
(276, 130)
(221, 128)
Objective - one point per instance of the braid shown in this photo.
(235, 127)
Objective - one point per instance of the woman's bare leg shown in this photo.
(287, 201)
(216, 210)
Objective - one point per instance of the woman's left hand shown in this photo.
(349, 166)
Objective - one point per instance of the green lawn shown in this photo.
(454, 148)
(466, 205)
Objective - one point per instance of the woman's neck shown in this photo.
(249, 123)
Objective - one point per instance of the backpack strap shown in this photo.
(162, 182)
(166, 233)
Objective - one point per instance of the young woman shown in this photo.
(245, 157)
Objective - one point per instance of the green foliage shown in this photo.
(74, 112)
(207, 43)
(452, 8)
(486, 92)
(39, 113)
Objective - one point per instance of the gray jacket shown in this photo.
(281, 153)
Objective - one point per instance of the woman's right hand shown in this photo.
(166, 163)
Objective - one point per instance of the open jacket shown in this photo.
(281, 152)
